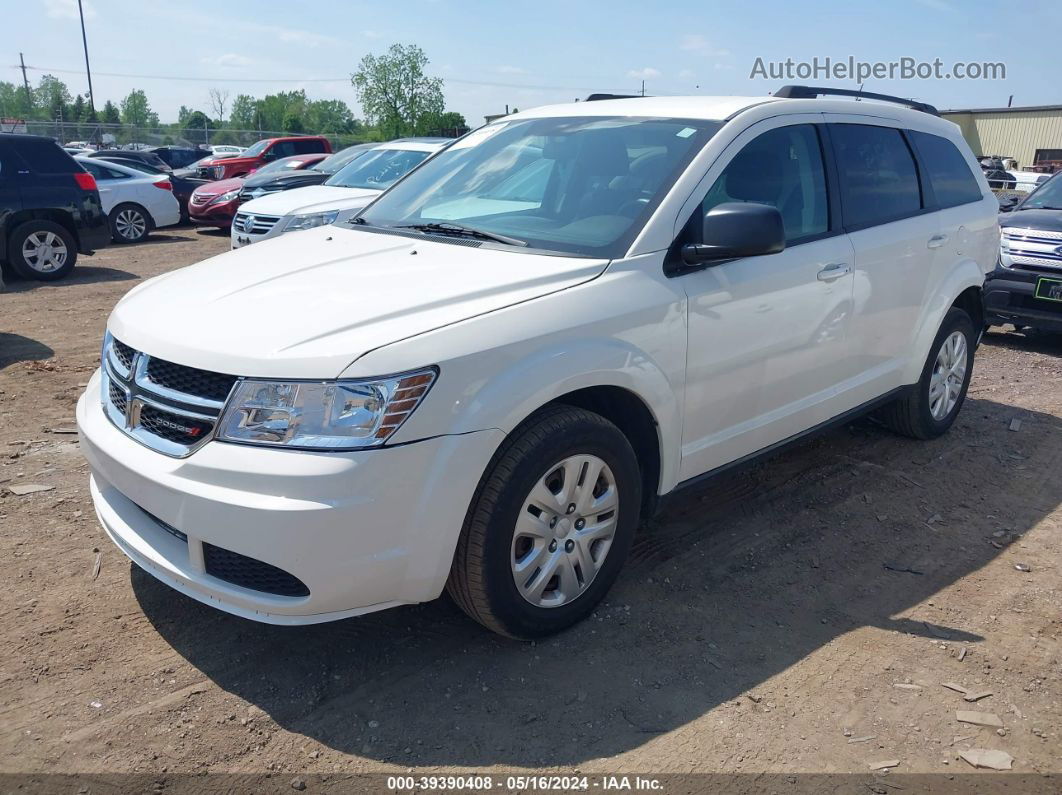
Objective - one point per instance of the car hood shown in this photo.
(314, 198)
(291, 179)
(308, 304)
(1050, 220)
(219, 187)
(218, 161)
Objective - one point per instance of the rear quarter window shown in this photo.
(310, 146)
(949, 174)
(46, 157)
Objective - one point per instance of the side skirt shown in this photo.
(777, 447)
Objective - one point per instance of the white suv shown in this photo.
(339, 198)
(485, 381)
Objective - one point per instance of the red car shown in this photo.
(215, 203)
(259, 154)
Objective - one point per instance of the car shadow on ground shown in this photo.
(81, 274)
(1046, 343)
(733, 582)
(16, 348)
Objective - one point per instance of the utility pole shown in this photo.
(643, 88)
(84, 42)
(25, 82)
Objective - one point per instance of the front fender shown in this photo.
(962, 277)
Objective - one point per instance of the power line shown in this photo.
(487, 83)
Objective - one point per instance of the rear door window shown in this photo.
(877, 174)
(46, 157)
(310, 146)
(283, 149)
(953, 182)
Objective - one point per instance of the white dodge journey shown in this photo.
(484, 381)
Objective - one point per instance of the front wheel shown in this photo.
(934, 402)
(42, 250)
(550, 525)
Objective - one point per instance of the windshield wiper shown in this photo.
(457, 230)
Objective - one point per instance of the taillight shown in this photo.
(84, 180)
(165, 184)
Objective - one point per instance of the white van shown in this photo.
(485, 380)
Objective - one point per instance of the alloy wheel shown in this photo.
(44, 252)
(949, 374)
(564, 531)
(130, 224)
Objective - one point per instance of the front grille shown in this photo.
(174, 427)
(190, 380)
(199, 200)
(260, 224)
(246, 572)
(1034, 249)
(166, 406)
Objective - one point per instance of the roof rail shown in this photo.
(811, 92)
(597, 97)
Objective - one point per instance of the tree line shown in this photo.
(397, 96)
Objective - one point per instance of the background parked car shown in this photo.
(215, 203)
(143, 155)
(50, 208)
(178, 156)
(191, 170)
(260, 184)
(265, 151)
(183, 187)
(135, 202)
(341, 196)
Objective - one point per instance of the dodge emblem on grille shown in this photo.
(248, 223)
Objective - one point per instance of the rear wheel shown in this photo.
(550, 525)
(130, 223)
(42, 250)
(934, 402)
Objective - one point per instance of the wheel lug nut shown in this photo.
(552, 522)
(571, 507)
(569, 546)
(552, 546)
(580, 524)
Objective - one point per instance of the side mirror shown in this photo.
(1008, 203)
(737, 229)
(270, 155)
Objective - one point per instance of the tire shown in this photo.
(917, 414)
(130, 223)
(42, 250)
(551, 444)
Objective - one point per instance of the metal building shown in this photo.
(1032, 135)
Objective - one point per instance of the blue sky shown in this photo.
(528, 53)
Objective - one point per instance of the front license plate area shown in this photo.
(1049, 289)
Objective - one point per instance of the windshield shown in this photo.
(332, 163)
(284, 164)
(377, 169)
(582, 185)
(256, 149)
(1048, 195)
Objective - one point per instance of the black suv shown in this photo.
(49, 208)
(1025, 289)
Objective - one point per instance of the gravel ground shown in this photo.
(799, 616)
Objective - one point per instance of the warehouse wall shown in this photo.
(1017, 134)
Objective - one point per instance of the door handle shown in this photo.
(834, 271)
(937, 241)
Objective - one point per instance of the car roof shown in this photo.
(692, 107)
(412, 146)
(117, 167)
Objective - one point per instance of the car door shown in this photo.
(894, 233)
(10, 200)
(109, 183)
(767, 335)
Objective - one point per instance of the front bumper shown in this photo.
(216, 215)
(363, 530)
(1010, 297)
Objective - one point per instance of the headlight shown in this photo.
(324, 415)
(225, 197)
(310, 220)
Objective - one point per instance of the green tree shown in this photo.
(78, 109)
(330, 116)
(12, 100)
(137, 111)
(51, 98)
(196, 125)
(396, 94)
(243, 113)
(452, 120)
(109, 114)
(293, 123)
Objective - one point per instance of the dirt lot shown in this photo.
(767, 621)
